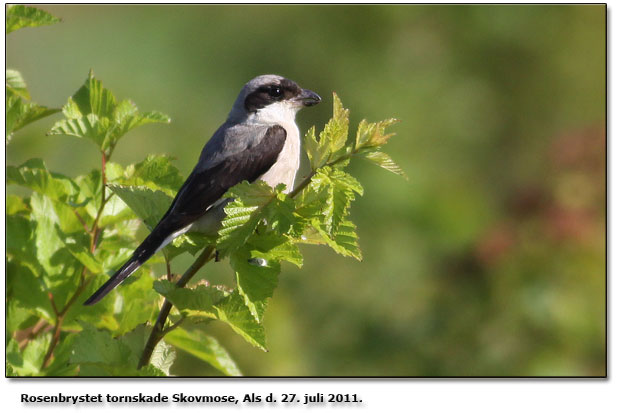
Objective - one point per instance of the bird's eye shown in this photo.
(275, 92)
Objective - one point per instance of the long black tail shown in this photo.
(148, 247)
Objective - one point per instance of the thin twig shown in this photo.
(79, 217)
(158, 330)
(174, 326)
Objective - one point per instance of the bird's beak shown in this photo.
(308, 98)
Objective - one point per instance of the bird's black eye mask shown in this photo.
(268, 94)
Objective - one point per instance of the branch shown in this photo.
(158, 331)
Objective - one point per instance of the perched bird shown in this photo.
(259, 140)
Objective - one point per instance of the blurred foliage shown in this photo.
(491, 260)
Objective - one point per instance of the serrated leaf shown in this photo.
(205, 348)
(383, 159)
(16, 83)
(127, 117)
(18, 16)
(155, 172)
(213, 303)
(198, 301)
(256, 279)
(317, 151)
(272, 246)
(344, 241)
(234, 312)
(89, 126)
(242, 214)
(163, 356)
(20, 113)
(93, 98)
(147, 204)
(335, 131)
(33, 174)
(93, 113)
(93, 346)
(279, 213)
(330, 192)
(373, 134)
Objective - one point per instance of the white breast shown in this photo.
(284, 169)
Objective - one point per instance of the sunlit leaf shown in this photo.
(16, 84)
(214, 303)
(18, 16)
(383, 159)
(33, 174)
(93, 113)
(20, 113)
(335, 131)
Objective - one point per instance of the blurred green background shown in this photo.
(489, 261)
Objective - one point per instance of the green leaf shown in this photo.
(373, 134)
(92, 346)
(256, 278)
(335, 131)
(20, 113)
(89, 126)
(205, 348)
(156, 172)
(17, 316)
(28, 362)
(344, 241)
(279, 213)
(383, 159)
(126, 117)
(16, 84)
(199, 301)
(274, 247)
(81, 253)
(242, 214)
(15, 205)
(163, 357)
(20, 233)
(48, 242)
(33, 174)
(317, 151)
(18, 16)
(214, 303)
(93, 98)
(234, 312)
(60, 365)
(93, 113)
(329, 196)
(147, 204)
(136, 304)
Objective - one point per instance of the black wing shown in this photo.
(201, 189)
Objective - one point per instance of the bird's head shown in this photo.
(271, 99)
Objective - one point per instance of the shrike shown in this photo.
(259, 140)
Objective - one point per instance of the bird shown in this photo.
(259, 141)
